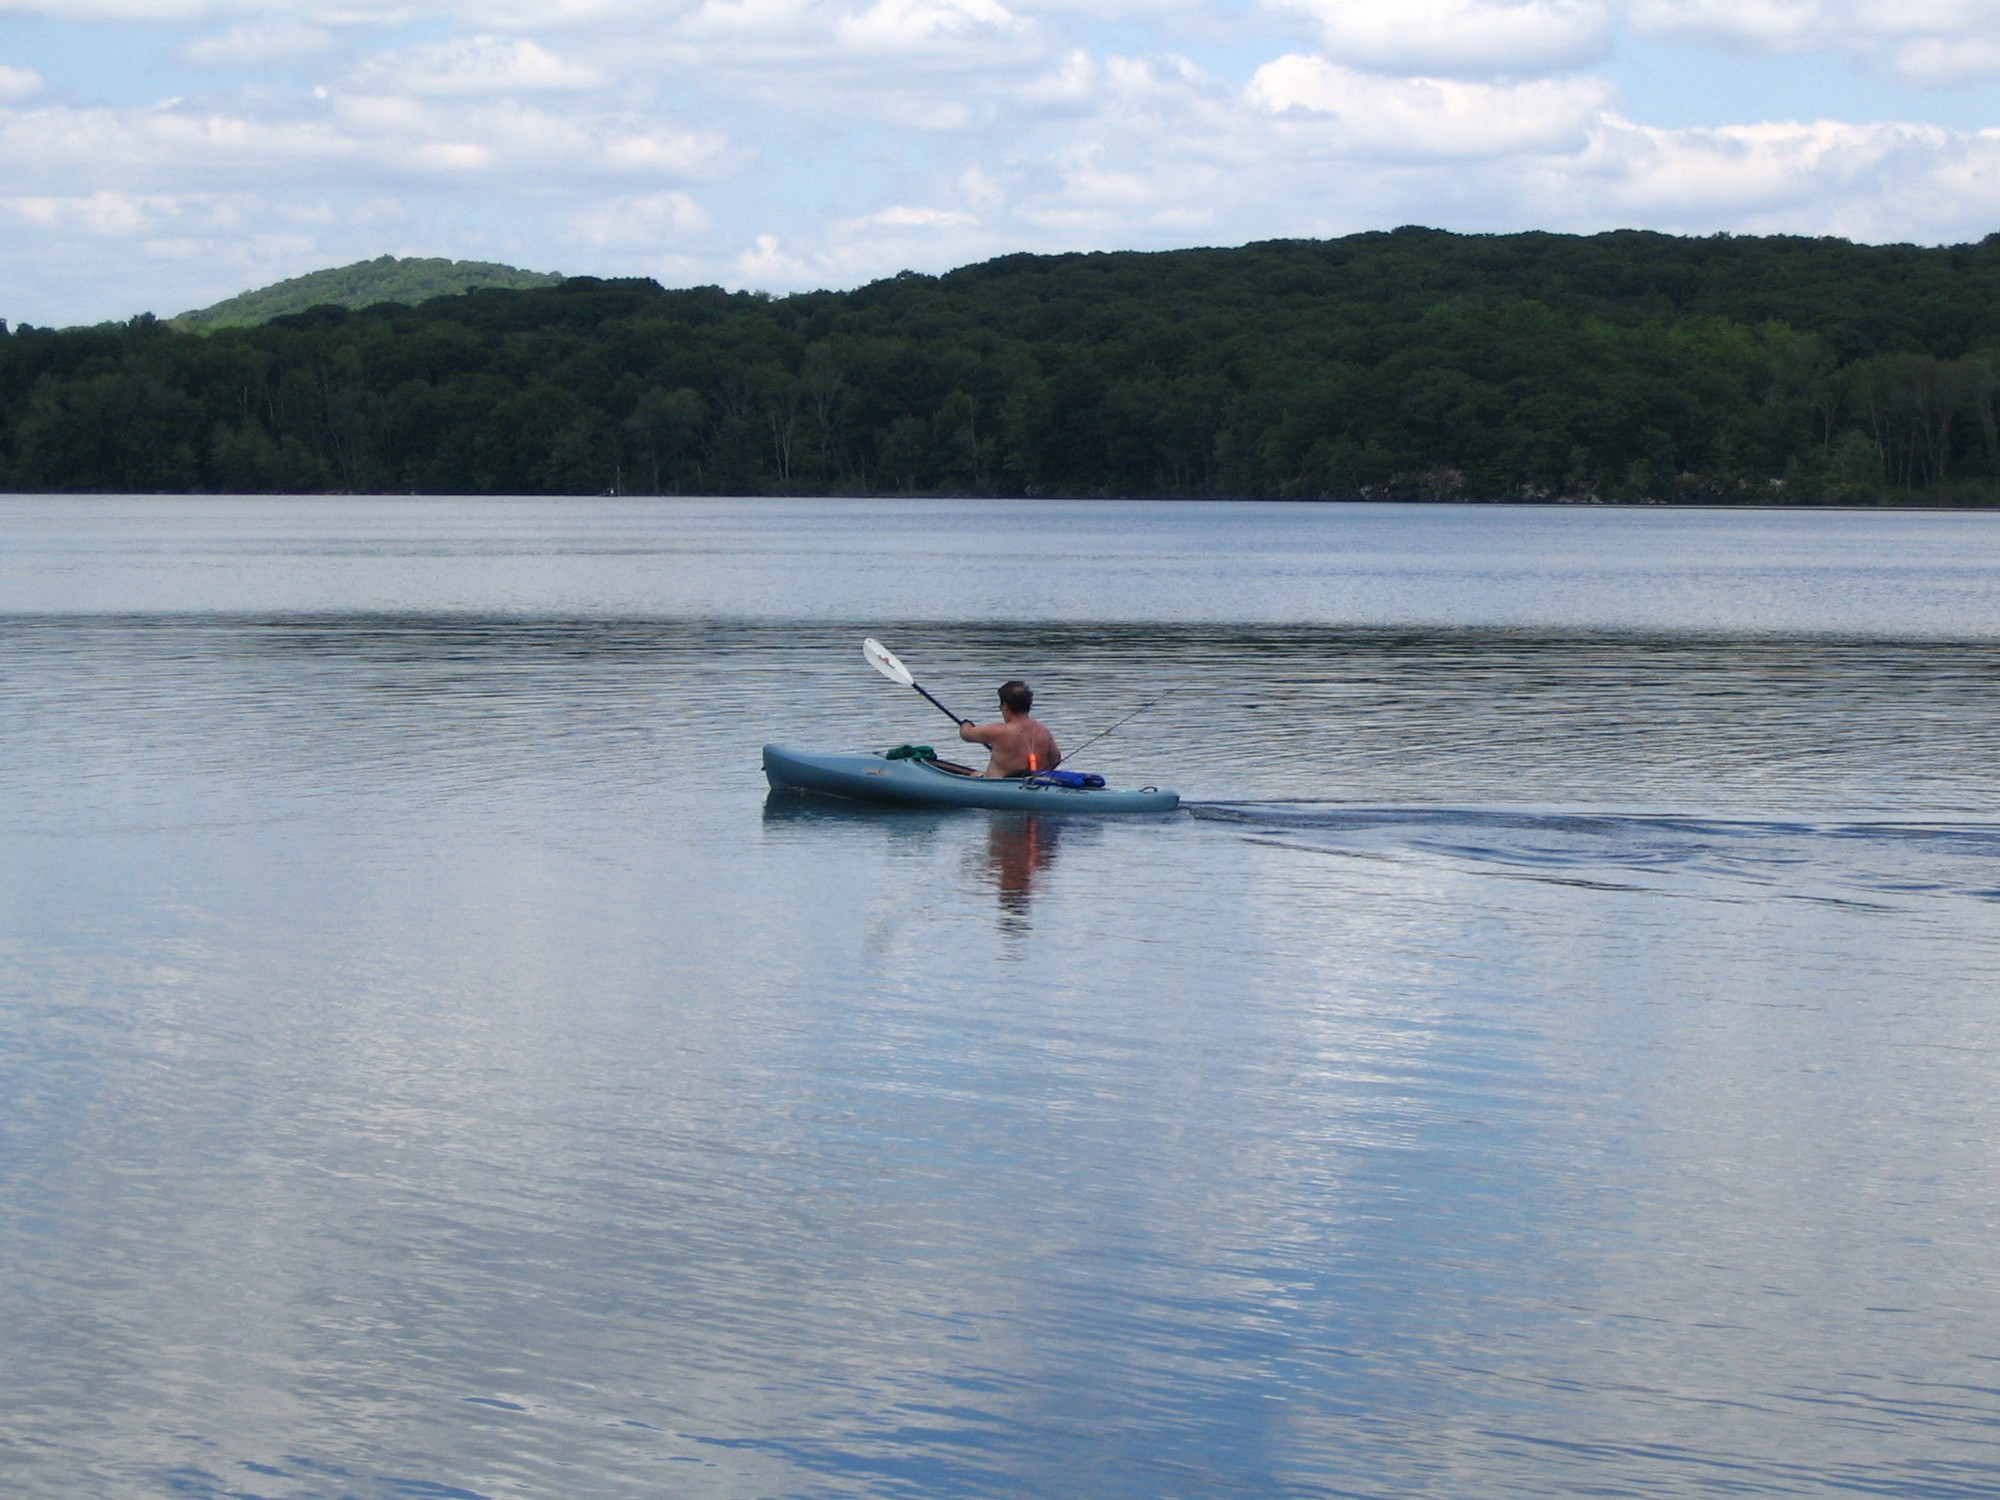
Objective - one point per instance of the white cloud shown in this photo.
(978, 190)
(116, 215)
(848, 251)
(645, 220)
(1460, 36)
(916, 25)
(476, 65)
(1069, 82)
(1876, 181)
(1921, 43)
(18, 83)
(249, 45)
(902, 216)
(63, 146)
(360, 138)
(1085, 194)
(527, 142)
(1937, 62)
(1767, 24)
(775, 48)
(767, 265)
(678, 153)
(157, 11)
(103, 213)
(1418, 117)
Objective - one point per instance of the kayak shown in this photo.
(872, 777)
(869, 776)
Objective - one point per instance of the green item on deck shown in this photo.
(910, 752)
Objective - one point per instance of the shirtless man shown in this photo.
(1019, 744)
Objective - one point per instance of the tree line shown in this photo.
(1412, 364)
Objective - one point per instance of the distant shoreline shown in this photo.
(1626, 368)
(1725, 507)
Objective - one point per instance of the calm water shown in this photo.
(1557, 1053)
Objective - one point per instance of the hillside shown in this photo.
(1414, 364)
(384, 279)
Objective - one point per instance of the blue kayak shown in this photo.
(871, 777)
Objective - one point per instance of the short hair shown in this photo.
(1017, 695)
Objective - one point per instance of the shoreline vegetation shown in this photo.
(1415, 364)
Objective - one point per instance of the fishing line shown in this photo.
(1072, 755)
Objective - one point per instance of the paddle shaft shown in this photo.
(883, 660)
(939, 706)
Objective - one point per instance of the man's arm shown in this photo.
(977, 734)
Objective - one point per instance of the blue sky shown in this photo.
(160, 154)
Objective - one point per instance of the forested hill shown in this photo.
(1413, 364)
(411, 280)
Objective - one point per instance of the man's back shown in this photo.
(1019, 745)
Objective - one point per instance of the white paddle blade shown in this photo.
(883, 660)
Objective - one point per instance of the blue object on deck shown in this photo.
(871, 777)
(1082, 780)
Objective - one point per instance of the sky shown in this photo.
(158, 155)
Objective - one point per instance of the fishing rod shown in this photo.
(1072, 755)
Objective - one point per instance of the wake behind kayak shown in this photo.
(906, 781)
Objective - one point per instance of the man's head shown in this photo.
(1017, 695)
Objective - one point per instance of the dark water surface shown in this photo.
(1557, 1053)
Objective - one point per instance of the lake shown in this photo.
(1553, 1053)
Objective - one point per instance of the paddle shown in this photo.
(883, 660)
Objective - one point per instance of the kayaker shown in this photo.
(1018, 744)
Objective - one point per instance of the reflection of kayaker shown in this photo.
(1017, 850)
(1018, 744)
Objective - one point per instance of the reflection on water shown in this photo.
(1540, 1062)
(1013, 860)
(1018, 850)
